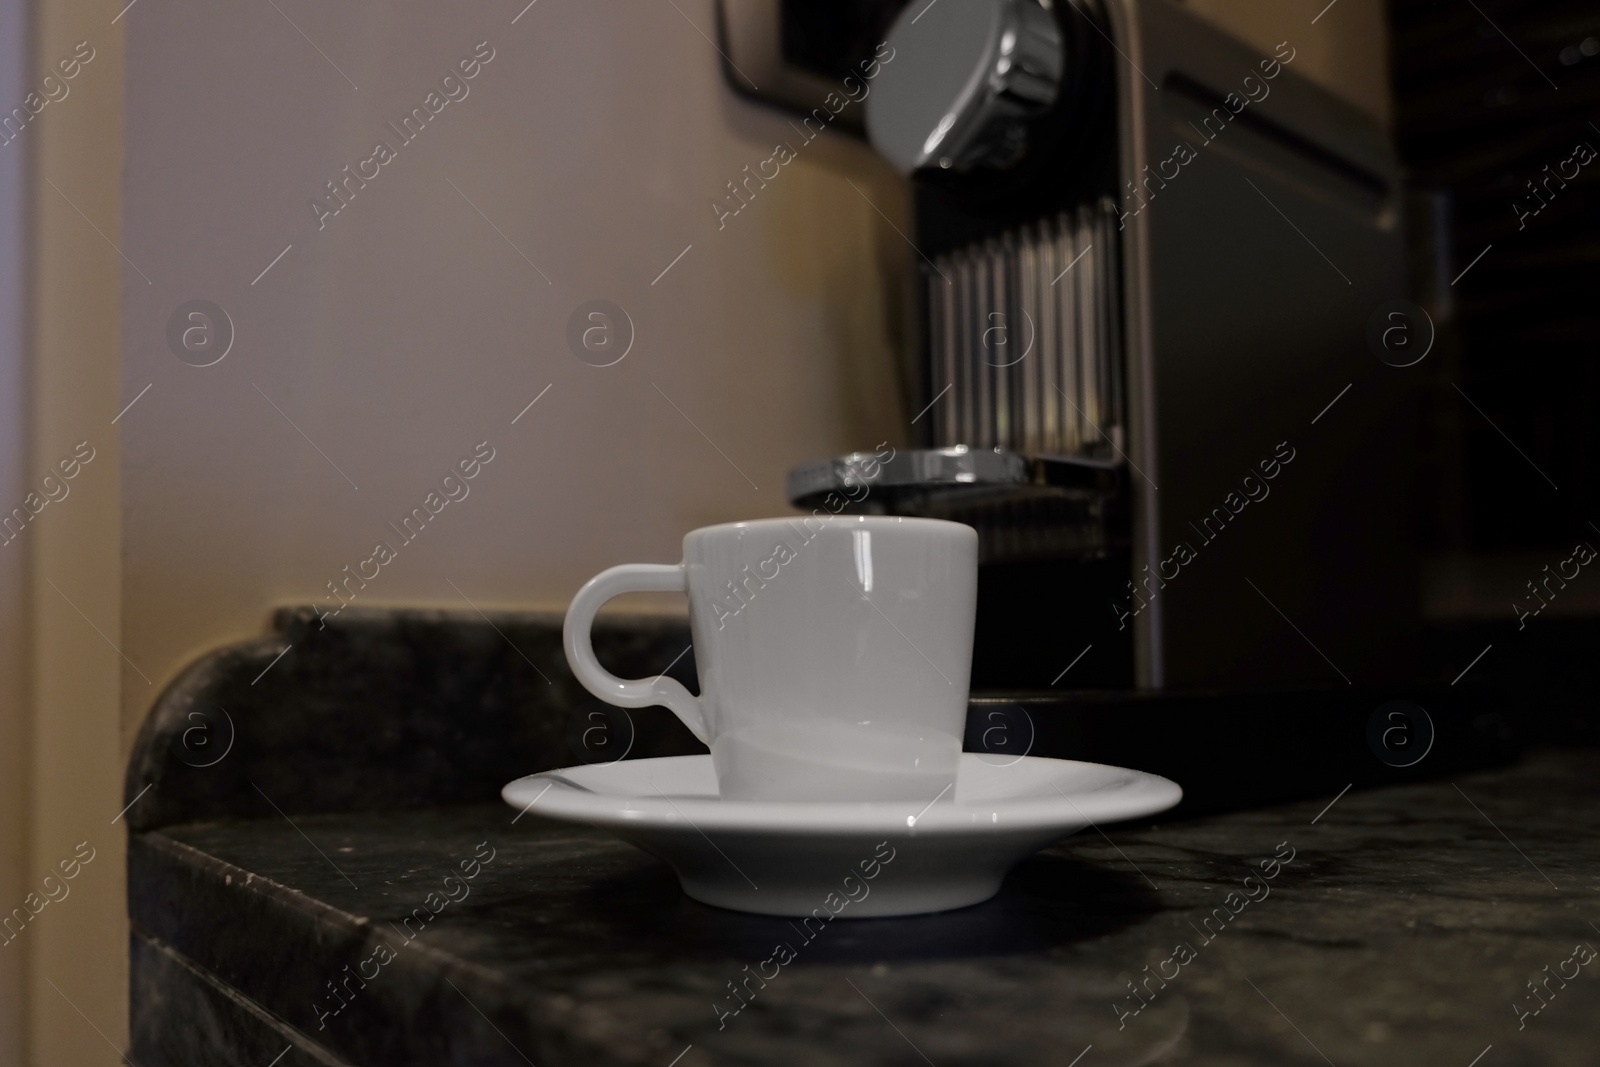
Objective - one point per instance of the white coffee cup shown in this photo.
(834, 653)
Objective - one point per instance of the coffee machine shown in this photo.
(1149, 258)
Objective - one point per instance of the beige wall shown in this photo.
(15, 474)
(407, 330)
(74, 990)
(1346, 49)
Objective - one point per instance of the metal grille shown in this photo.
(1025, 332)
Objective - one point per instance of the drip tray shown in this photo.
(1024, 507)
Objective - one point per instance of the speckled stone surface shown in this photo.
(376, 708)
(385, 708)
(1404, 931)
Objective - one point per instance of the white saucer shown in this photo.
(844, 860)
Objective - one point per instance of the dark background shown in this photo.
(1477, 120)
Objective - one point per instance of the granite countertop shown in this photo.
(1401, 925)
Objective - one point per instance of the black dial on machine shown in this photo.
(967, 76)
(1003, 102)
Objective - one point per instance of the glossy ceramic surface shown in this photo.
(834, 653)
(854, 860)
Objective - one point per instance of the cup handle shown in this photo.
(641, 693)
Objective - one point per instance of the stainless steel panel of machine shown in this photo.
(1022, 331)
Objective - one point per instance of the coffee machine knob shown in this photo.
(963, 79)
